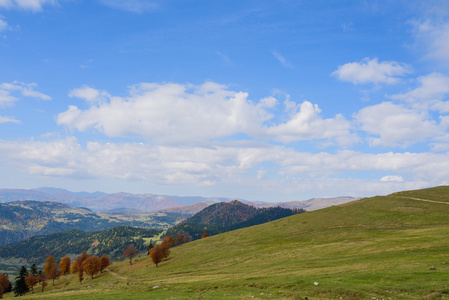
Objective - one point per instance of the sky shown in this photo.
(260, 100)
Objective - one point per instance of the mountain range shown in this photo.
(135, 203)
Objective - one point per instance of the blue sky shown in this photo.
(261, 100)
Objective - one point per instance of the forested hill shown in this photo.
(72, 242)
(222, 217)
(224, 214)
(20, 220)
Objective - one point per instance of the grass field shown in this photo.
(374, 248)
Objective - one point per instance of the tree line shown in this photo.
(91, 265)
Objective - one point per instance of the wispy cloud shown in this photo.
(224, 58)
(4, 119)
(135, 6)
(3, 25)
(282, 60)
(434, 37)
(34, 5)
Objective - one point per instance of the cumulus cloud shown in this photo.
(306, 124)
(396, 125)
(34, 5)
(430, 94)
(183, 113)
(227, 163)
(89, 94)
(371, 71)
(434, 37)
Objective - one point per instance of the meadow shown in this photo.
(385, 247)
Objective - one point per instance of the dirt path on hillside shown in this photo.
(116, 275)
(424, 200)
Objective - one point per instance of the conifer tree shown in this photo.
(149, 247)
(20, 286)
(34, 270)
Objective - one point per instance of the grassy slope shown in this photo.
(376, 247)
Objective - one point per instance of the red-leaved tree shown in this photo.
(130, 252)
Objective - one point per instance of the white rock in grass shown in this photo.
(315, 283)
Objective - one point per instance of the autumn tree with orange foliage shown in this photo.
(80, 274)
(64, 265)
(78, 266)
(73, 267)
(130, 252)
(49, 262)
(4, 283)
(205, 235)
(183, 237)
(104, 262)
(51, 268)
(166, 244)
(157, 254)
(92, 265)
(53, 273)
(31, 280)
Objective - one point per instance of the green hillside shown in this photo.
(391, 247)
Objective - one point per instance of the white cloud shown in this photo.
(5, 98)
(228, 164)
(392, 178)
(135, 6)
(430, 94)
(282, 60)
(434, 37)
(3, 25)
(26, 90)
(35, 5)
(371, 71)
(8, 120)
(396, 125)
(176, 113)
(306, 124)
(89, 94)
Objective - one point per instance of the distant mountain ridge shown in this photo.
(103, 202)
(99, 201)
